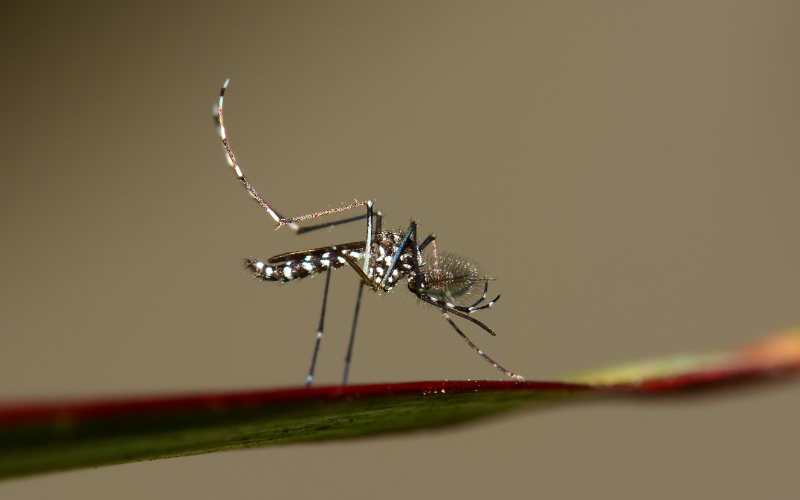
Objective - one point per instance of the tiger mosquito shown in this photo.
(450, 283)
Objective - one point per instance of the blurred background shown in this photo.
(628, 173)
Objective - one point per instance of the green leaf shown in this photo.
(51, 436)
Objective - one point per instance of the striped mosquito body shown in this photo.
(452, 284)
(297, 265)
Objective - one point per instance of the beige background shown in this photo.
(628, 173)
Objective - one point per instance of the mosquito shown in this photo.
(393, 257)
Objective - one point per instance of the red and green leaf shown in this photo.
(50, 436)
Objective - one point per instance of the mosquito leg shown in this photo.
(479, 351)
(417, 257)
(452, 310)
(292, 222)
(483, 297)
(430, 239)
(371, 231)
(319, 331)
(368, 240)
(220, 121)
(352, 335)
(473, 307)
(435, 258)
(364, 278)
(308, 229)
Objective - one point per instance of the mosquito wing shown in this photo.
(354, 249)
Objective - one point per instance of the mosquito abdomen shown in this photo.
(302, 267)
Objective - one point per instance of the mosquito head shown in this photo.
(451, 278)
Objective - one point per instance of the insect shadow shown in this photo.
(446, 281)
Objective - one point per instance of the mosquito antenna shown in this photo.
(479, 351)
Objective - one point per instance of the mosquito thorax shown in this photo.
(384, 247)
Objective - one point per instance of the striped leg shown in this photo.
(220, 122)
(292, 223)
(319, 330)
(478, 350)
